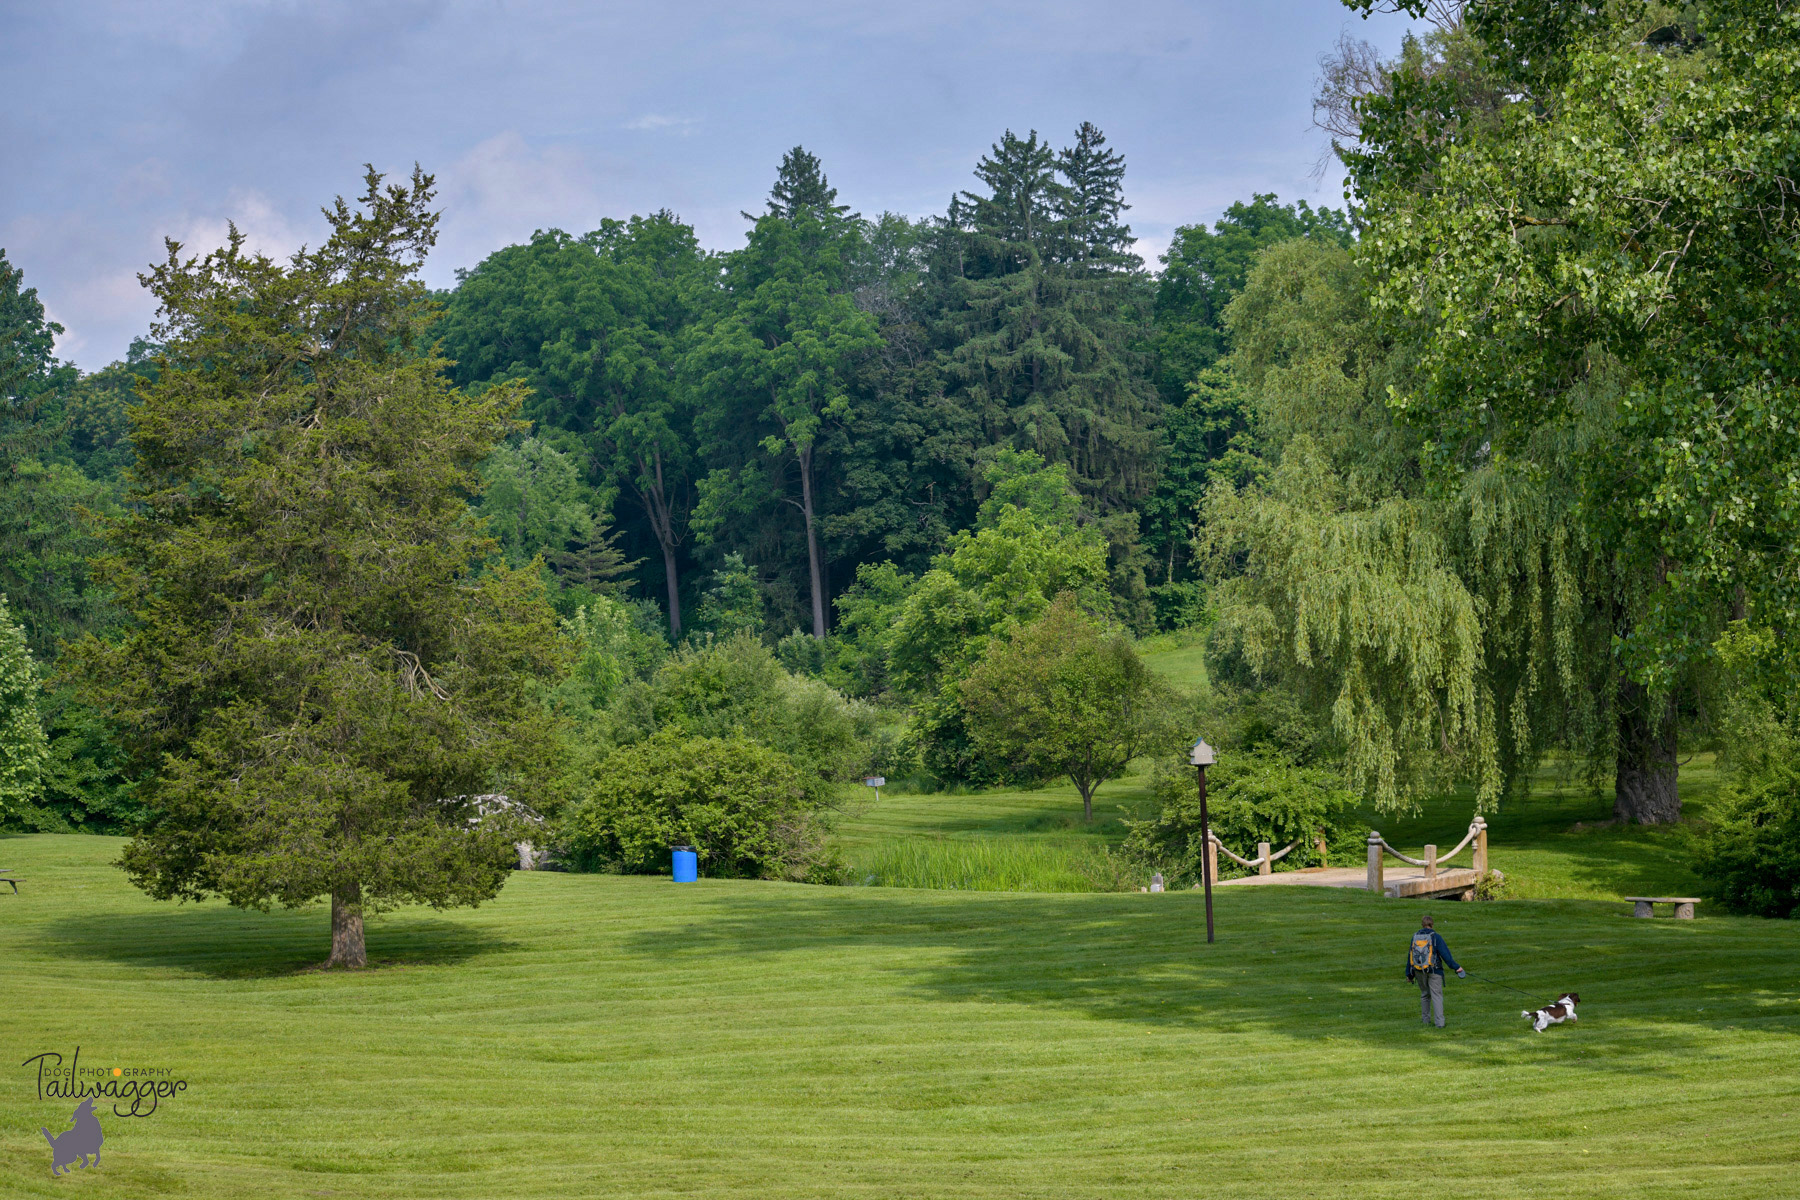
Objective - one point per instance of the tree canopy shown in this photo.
(327, 662)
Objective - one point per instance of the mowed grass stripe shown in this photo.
(609, 1036)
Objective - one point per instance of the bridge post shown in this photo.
(1375, 881)
(1212, 857)
(1431, 862)
(1262, 861)
(1480, 847)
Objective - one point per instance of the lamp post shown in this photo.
(1202, 758)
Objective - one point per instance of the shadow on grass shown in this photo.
(226, 943)
(1318, 967)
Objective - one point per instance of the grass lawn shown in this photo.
(605, 1036)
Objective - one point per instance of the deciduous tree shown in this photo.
(1063, 696)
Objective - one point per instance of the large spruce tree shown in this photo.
(1053, 305)
(327, 662)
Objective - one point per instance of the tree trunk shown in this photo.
(655, 500)
(347, 949)
(674, 583)
(1087, 801)
(812, 543)
(1646, 789)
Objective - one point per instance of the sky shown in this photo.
(127, 121)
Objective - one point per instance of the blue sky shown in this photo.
(129, 121)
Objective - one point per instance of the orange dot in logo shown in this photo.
(118, 1071)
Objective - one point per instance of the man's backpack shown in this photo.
(1424, 951)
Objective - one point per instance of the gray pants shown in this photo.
(1431, 998)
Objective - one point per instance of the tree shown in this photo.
(1206, 423)
(733, 604)
(23, 754)
(327, 660)
(1063, 696)
(599, 326)
(44, 539)
(1590, 256)
(534, 502)
(1204, 270)
(781, 358)
(1443, 624)
(1052, 305)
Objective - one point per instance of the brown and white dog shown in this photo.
(1553, 1014)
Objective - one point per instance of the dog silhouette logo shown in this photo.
(74, 1147)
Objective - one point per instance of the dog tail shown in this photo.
(1524, 1012)
(47, 1136)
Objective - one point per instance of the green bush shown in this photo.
(1260, 796)
(735, 687)
(739, 804)
(1749, 860)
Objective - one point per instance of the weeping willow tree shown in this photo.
(1587, 233)
(1447, 620)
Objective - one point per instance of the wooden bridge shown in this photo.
(1428, 875)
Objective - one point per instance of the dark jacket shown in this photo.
(1440, 954)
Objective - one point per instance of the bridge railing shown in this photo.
(1379, 850)
(1263, 862)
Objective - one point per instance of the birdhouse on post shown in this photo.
(1201, 757)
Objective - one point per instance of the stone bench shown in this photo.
(1684, 905)
(6, 876)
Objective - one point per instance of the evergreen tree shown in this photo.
(327, 662)
(801, 187)
(1053, 307)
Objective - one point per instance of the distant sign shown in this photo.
(875, 781)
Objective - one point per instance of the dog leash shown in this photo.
(1496, 983)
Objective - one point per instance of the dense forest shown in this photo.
(1494, 463)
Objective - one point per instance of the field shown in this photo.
(606, 1036)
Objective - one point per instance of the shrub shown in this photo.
(1493, 886)
(739, 804)
(1749, 860)
(737, 688)
(1261, 796)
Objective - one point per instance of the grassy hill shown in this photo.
(606, 1036)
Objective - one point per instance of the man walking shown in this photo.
(1425, 960)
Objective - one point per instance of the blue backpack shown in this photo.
(1424, 951)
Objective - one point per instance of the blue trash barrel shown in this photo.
(687, 864)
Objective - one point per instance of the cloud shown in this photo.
(503, 189)
(266, 229)
(657, 122)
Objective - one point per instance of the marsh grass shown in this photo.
(991, 865)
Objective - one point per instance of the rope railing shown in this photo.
(1263, 860)
(1433, 861)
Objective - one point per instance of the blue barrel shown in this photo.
(687, 864)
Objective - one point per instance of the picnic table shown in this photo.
(6, 876)
(1684, 905)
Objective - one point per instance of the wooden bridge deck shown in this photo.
(1397, 880)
